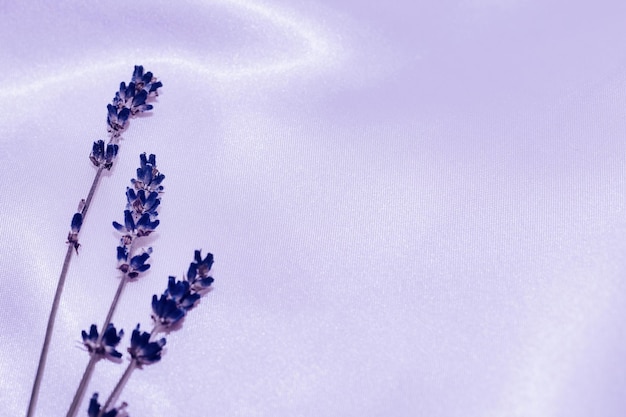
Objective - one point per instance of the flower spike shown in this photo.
(130, 100)
(182, 296)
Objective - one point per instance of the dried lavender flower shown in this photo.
(144, 351)
(104, 346)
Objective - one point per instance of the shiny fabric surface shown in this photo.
(416, 208)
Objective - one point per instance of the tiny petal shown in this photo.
(94, 406)
(192, 272)
(112, 115)
(140, 98)
(130, 91)
(119, 227)
(147, 77)
(77, 222)
(155, 86)
(130, 195)
(129, 222)
(138, 73)
(123, 115)
(122, 253)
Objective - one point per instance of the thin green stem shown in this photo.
(119, 387)
(55, 305)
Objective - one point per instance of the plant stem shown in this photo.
(46, 343)
(82, 387)
(119, 387)
(55, 305)
(84, 382)
(154, 332)
(92, 191)
(113, 306)
(123, 380)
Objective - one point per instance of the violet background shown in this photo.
(416, 208)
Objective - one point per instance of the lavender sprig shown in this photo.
(139, 221)
(127, 104)
(180, 297)
(168, 312)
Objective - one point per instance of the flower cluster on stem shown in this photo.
(140, 220)
(128, 102)
(140, 216)
(103, 346)
(143, 350)
(168, 311)
(181, 296)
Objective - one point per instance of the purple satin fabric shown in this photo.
(416, 208)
